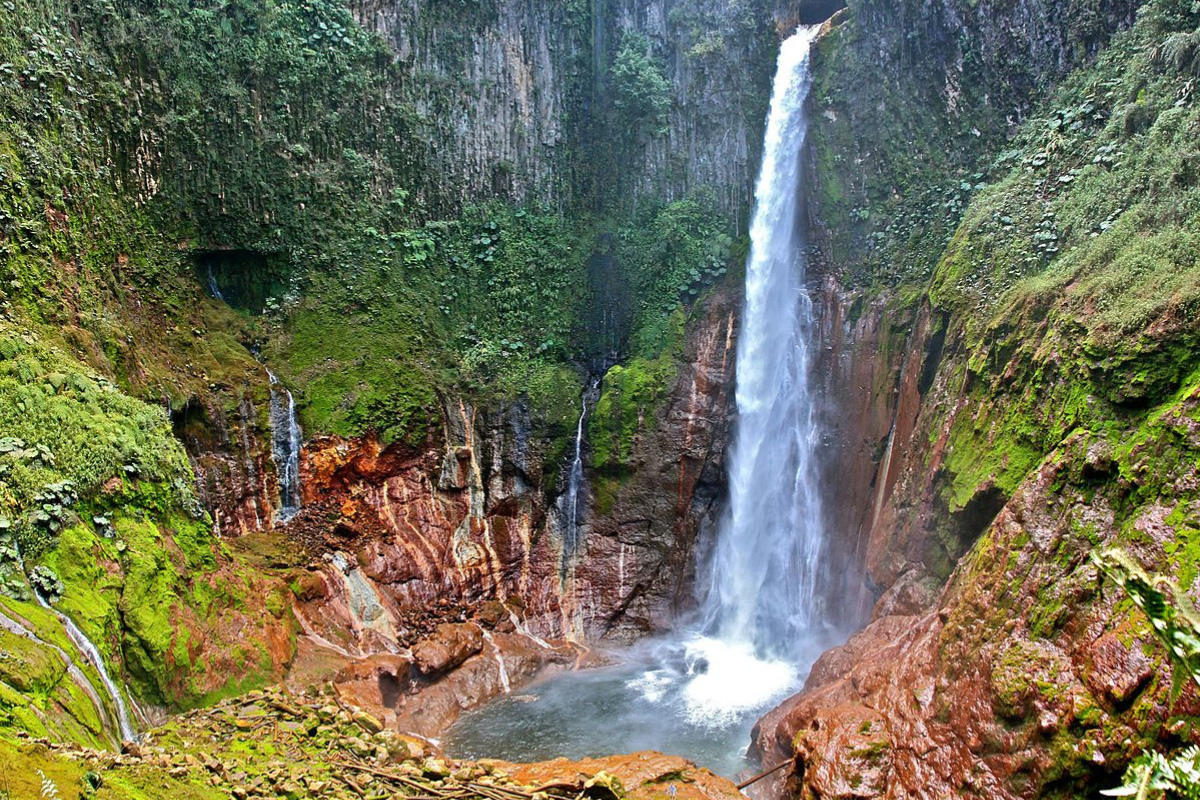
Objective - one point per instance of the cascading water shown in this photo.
(214, 288)
(85, 646)
(698, 696)
(765, 567)
(569, 505)
(286, 440)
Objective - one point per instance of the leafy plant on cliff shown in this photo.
(672, 253)
(1176, 625)
(641, 91)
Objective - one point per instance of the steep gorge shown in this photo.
(1005, 277)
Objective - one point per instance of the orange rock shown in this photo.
(646, 775)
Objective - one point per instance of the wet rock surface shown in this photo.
(1027, 675)
(637, 570)
(390, 535)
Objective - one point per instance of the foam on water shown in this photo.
(729, 680)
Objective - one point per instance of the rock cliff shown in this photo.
(1008, 435)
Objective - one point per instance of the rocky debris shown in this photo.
(278, 744)
(329, 525)
(448, 647)
(445, 676)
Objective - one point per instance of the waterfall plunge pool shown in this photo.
(698, 698)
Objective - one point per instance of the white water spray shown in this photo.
(286, 440)
(761, 609)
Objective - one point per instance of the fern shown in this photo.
(1182, 52)
(1152, 774)
(49, 789)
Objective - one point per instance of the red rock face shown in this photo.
(231, 456)
(1026, 675)
(447, 673)
(866, 387)
(636, 571)
(467, 521)
(399, 539)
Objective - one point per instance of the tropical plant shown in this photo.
(642, 93)
(1152, 774)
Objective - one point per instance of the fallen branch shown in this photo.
(762, 775)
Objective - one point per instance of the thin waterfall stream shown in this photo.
(699, 693)
(286, 441)
(85, 646)
(569, 502)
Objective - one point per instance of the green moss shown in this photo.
(26, 765)
(37, 693)
(153, 598)
(628, 404)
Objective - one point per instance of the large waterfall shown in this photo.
(764, 568)
(699, 693)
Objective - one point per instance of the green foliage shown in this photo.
(1152, 774)
(485, 304)
(628, 404)
(67, 432)
(671, 253)
(641, 91)
(1174, 622)
(1096, 192)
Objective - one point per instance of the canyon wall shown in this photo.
(1026, 412)
(468, 522)
(515, 99)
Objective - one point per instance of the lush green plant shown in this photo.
(1152, 774)
(641, 91)
(67, 433)
(671, 253)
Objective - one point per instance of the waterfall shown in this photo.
(768, 553)
(699, 694)
(214, 288)
(89, 650)
(569, 505)
(85, 646)
(286, 441)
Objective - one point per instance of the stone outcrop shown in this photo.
(410, 694)
(1029, 674)
(228, 444)
(636, 573)
(397, 530)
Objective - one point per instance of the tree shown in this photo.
(642, 93)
